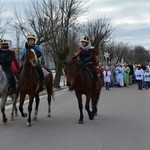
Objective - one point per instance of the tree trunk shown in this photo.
(58, 75)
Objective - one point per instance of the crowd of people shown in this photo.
(123, 75)
(120, 74)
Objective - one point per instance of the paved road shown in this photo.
(123, 123)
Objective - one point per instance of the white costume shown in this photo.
(119, 75)
(139, 74)
(107, 78)
(146, 76)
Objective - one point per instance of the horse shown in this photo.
(4, 93)
(29, 84)
(82, 83)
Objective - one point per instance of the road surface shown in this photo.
(123, 123)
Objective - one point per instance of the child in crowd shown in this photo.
(147, 78)
(107, 76)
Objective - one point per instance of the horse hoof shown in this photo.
(95, 114)
(48, 116)
(34, 118)
(16, 115)
(24, 115)
(28, 124)
(11, 119)
(80, 122)
(5, 120)
(91, 117)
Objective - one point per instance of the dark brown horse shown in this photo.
(82, 82)
(29, 84)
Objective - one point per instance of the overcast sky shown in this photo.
(129, 18)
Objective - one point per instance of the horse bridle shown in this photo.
(34, 61)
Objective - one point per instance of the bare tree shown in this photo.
(63, 31)
(121, 50)
(99, 30)
(4, 22)
(53, 23)
(17, 39)
(141, 54)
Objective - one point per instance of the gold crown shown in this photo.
(85, 39)
(3, 42)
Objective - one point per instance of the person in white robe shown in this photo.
(107, 77)
(119, 75)
(139, 73)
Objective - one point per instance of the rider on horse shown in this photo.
(7, 58)
(31, 43)
(86, 56)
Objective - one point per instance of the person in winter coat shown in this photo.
(31, 42)
(7, 57)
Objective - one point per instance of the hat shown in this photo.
(31, 37)
(3, 42)
(85, 39)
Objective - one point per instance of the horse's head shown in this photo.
(70, 71)
(30, 56)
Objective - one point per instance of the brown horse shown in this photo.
(29, 84)
(82, 82)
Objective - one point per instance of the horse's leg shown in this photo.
(94, 106)
(3, 102)
(22, 98)
(14, 109)
(16, 112)
(31, 98)
(37, 100)
(49, 88)
(95, 101)
(15, 101)
(49, 105)
(87, 107)
(50, 93)
(79, 97)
